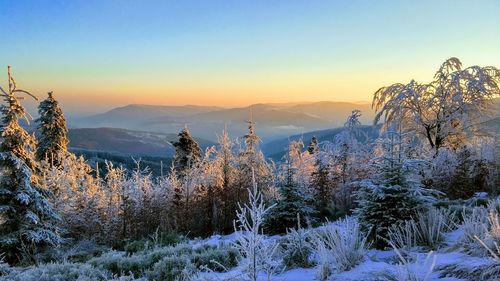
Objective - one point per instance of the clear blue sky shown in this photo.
(99, 54)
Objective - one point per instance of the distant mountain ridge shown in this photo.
(273, 120)
(125, 142)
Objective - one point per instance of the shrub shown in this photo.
(59, 272)
(341, 246)
(402, 236)
(430, 225)
(218, 258)
(474, 225)
(81, 251)
(419, 270)
(172, 268)
(136, 246)
(295, 248)
(487, 272)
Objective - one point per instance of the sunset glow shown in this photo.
(98, 54)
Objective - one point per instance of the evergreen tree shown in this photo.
(293, 203)
(391, 198)
(187, 152)
(313, 145)
(225, 162)
(252, 159)
(26, 216)
(321, 187)
(53, 134)
(461, 184)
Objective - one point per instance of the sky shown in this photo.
(98, 54)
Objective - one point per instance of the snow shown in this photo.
(378, 264)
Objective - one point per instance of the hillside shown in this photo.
(126, 142)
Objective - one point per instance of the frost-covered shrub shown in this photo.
(430, 225)
(257, 253)
(120, 264)
(487, 272)
(81, 251)
(135, 246)
(340, 245)
(474, 225)
(216, 258)
(59, 272)
(417, 270)
(494, 204)
(172, 268)
(295, 248)
(220, 258)
(402, 236)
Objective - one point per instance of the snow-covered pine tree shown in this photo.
(321, 186)
(293, 203)
(225, 162)
(252, 159)
(347, 162)
(26, 216)
(187, 152)
(313, 145)
(391, 198)
(53, 133)
(461, 184)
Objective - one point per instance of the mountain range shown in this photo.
(273, 120)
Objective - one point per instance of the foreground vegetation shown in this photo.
(431, 173)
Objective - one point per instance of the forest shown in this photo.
(419, 201)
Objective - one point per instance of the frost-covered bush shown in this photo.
(486, 272)
(257, 253)
(340, 246)
(85, 250)
(417, 270)
(172, 268)
(136, 246)
(430, 225)
(135, 264)
(402, 236)
(494, 204)
(216, 258)
(426, 229)
(58, 272)
(481, 231)
(219, 258)
(295, 248)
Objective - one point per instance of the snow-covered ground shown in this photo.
(377, 264)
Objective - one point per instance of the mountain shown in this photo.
(121, 117)
(331, 111)
(273, 120)
(125, 142)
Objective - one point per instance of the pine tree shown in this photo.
(226, 161)
(252, 159)
(313, 145)
(292, 204)
(187, 152)
(53, 140)
(462, 185)
(27, 219)
(391, 198)
(321, 187)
